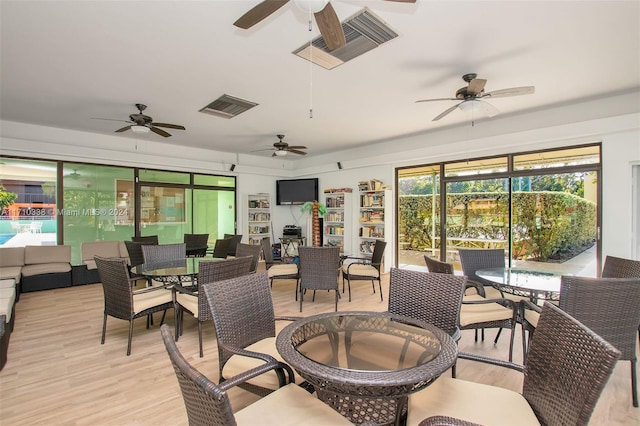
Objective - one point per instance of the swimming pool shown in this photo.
(5, 237)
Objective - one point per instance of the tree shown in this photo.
(6, 198)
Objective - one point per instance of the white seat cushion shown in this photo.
(482, 312)
(239, 364)
(189, 302)
(289, 405)
(360, 270)
(11, 273)
(474, 402)
(7, 300)
(143, 301)
(531, 317)
(283, 269)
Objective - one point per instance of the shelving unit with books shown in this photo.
(259, 217)
(374, 219)
(337, 220)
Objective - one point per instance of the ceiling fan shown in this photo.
(140, 123)
(280, 148)
(472, 95)
(326, 18)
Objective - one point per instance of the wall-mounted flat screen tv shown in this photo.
(296, 191)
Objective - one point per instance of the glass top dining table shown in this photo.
(537, 285)
(186, 267)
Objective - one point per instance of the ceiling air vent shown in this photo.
(363, 31)
(228, 107)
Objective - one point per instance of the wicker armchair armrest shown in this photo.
(190, 290)
(445, 421)
(286, 318)
(477, 286)
(251, 354)
(254, 372)
(527, 304)
(492, 361)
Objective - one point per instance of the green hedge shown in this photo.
(545, 223)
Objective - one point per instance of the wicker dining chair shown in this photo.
(277, 269)
(319, 270)
(434, 298)
(477, 312)
(208, 403)
(364, 269)
(611, 308)
(245, 323)
(152, 253)
(252, 250)
(618, 267)
(196, 244)
(221, 248)
(149, 239)
(234, 240)
(195, 302)
(567, 368)
(121, 301)
(134, 249)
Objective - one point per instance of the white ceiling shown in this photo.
(66, 62)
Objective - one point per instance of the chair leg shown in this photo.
(301, 293)
(200, 338)
(313, 299)
(130, 337)
(495, 342)
(380, 285)
(176, 319)
(104, 328)
(476, 336)
(453, 371)
(634, 383)
(348, 285)
(337, 295)
(511, 343)
(524, 344)
(164, 314)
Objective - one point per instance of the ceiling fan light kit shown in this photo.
(311, 6)
(140, 129)
(280, 153)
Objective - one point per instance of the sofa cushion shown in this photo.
(108, 249)
(45, 268)
(11, 256)
(7, 300)
(7, 283)
(47, 254)
(11, 272)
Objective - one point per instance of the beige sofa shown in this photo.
(36, 267)
(89, 272)
(11, 263)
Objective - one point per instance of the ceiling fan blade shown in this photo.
(112, 119)
(258, 13)
(296, 151)
(488, 109)
(476, 86)
(330, 27)
(125, 128)
(169, 126)
(438, 99)
(160, 132)
(513, 91)
(297, 147)
(446, 111)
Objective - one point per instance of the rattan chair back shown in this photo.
(434, 265)
(163, 252)
(611, 308)
(617, 267)
(134, 249)
(252, 250)
(196, 244)
(149, 239)
(567, 367)
(235, 239)
(221, 248)
(267, 252)
(473, 259)
(206, 403)
(378, 254)
(430, 297)
(319, 270)
(242, 312)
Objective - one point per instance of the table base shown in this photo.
(379, 411)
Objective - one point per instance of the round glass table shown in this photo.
(537, 285)
(365, 364)
(173, 271)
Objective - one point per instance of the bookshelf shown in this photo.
(258, 217)
(374, 216)
(337, 221)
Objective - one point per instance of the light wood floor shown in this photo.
(58, 373)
